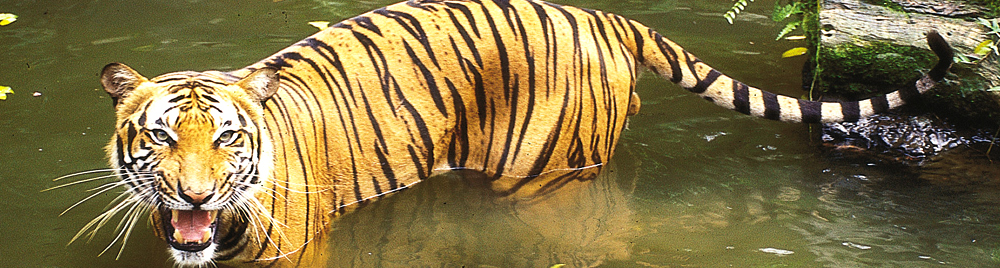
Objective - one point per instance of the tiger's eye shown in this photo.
(226, 137)
(161, 135)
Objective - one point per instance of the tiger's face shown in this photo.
(193, 147)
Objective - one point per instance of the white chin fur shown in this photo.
(201, 258)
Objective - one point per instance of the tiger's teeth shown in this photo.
(205, 236)
(173, 215)
(178, 237)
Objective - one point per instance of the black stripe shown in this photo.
(572, 23)
(530, 58)
(366, 23)
(412, 25)
(503, 4)
(480, 90)
(772, 109)
(429, 78)
(279, 62)
(501, 52)
(671, 56)
(375, 125)
(177, 99)
(909, 93)
(850, 110)
(232, 243)
(415, 157)
(468, 15)
(741, 97)
(461, 127)
(880, 103)
(386, 171)
(511, 123)
(209, 98)
(381, 66)
(704, 83)
(812, 111)
(548, 149)
(639, 39)
(944, 54)
(469, 43)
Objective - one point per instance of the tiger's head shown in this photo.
(192, 147)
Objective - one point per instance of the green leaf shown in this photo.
(737, 7)
(799, 51)
(791, 26)
(781, 13)
(7, 18)
(4, 90)
(984, 48)
(959, 58)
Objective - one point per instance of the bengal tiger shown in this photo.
(248, 167)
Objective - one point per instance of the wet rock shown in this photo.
(923, 145)
(916, 137)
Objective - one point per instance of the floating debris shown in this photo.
(857, 246)
(7, 18)
(322, 25)
(4, 90)
(110, 40)
(799, 51)
(779, 252)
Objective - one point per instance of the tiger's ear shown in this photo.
(261, 84)
(119, 80)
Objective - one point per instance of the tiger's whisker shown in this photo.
(122, 225)
(79, 182)
(86, 172)
(106, 189)
(143, 210)
(98, 222)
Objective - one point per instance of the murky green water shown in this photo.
(692, 184)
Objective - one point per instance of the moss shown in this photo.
(860, 71)
(964, 99)
(886, 3)
(993, 6)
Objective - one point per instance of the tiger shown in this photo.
(249, 167)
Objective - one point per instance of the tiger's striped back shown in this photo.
(532, 94)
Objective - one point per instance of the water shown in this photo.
(691, 184)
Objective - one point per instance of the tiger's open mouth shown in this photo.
(190, 230)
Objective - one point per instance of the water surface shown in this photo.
(691, 185)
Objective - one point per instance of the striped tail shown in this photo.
(672, 62)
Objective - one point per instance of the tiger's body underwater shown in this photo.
(250, 166)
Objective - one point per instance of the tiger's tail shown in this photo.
(672, 62)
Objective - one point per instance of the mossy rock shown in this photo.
(860, 71)
(867, 49)
(855, 72)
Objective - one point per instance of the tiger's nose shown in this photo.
(196, 198)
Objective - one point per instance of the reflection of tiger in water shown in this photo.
(250, 165)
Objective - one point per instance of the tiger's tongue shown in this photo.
(191, 226)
